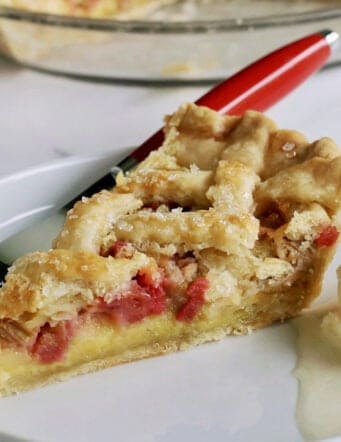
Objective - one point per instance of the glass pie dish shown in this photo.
(188, 41)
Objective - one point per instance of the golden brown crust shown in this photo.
(190, 231)
(91, 220)
(37, 283)
(187, 187)
(316, 180)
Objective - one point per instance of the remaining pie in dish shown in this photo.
(228, 227)
(87, 8)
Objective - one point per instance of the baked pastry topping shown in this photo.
(228, 227)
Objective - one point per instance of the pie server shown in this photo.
(258, 86)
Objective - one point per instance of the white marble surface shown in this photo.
(43, 117)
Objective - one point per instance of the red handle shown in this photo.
(258, 86)
(269, 79)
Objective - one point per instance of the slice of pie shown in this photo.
(228, 227)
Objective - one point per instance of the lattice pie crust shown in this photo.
(227, 227)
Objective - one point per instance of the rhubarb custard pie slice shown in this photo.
(226, 228)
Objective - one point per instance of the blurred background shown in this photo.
(96, 76)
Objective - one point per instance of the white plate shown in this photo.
(240, 389)
(37, 191)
